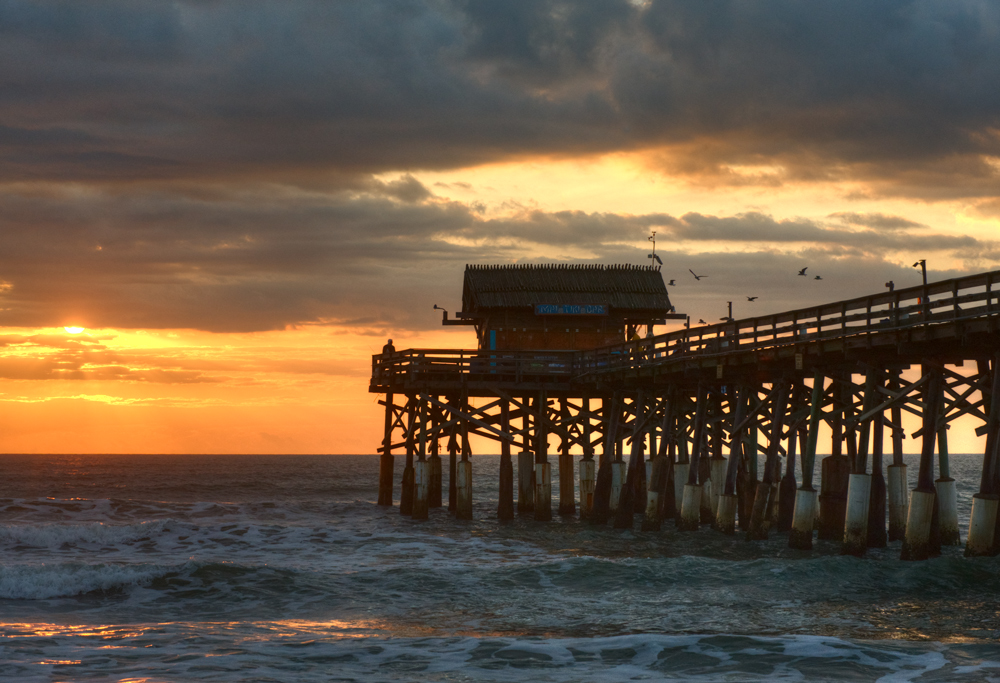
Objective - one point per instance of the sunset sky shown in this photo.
(239, 202)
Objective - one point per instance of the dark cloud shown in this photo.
(268, 257)
(889, 92)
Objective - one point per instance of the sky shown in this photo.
(238, 202)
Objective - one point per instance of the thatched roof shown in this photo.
(624, 288)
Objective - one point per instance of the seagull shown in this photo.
(655, 258)
(672, 283)
(696, 277)
(817, 278)
(702, 321)
(803, 271)
(751, 298)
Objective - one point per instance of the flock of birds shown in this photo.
(673, 283)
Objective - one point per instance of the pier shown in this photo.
(712, 426)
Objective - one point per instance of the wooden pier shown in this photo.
(719, 425)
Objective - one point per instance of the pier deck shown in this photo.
(755, 387)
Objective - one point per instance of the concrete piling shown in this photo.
(385, 472)
(947, 498)
(800, 536)
(690, 516)
(917, 541)
(982, 525)
(567, 484)
(588, 482)
(543, 492)
(725, 516)
(898, 490)
(505, 504)
(421, 488)
(681, 470)
(856, 520)
(525, 485)
(463, 489)
(435, 482)
(619, 474)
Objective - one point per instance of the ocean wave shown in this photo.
(41, 582)
(58, 535)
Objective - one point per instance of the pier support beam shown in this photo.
(505, 502)
(690, 516)
(920, 543)
(567, 483)
(386, 462)
(543, 473)
(982, 540)
(856, 521)
(946, 494)
(982, 525)
(897, 487)
(406, 491)
(800, 536)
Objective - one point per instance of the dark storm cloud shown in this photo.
(120, 90)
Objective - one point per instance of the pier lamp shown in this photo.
(923, 268)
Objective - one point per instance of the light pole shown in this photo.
(923, 269)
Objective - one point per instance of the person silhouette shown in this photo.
(388, 348)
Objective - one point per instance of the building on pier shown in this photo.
(561, 307)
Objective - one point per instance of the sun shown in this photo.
(74, 330)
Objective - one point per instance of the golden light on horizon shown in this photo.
(74, 330)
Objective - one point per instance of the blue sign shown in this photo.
(571, 309)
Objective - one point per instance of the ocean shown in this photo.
(283, 568)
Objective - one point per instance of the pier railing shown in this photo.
(953, 301)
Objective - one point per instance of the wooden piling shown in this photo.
(543, 473)
(386, 462)
(505, 503)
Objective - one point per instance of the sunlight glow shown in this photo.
(74, 330)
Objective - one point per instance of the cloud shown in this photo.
(900, 94)
(268, 257)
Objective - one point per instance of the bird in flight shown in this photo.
(702, 321)
(751, 298)
(803, 271)
(672, 283)
(696, 276)
(817, 278)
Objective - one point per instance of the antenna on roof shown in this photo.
(653, 258)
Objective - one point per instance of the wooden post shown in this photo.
(386, 462)
(897, 488)
(505, 504)
(526, 463)
(983, 525)
(543, 473)
(947, 495)
(855, 541)
(919, 542)
(434, 499)
(835, 471)
(463, 484)
(804, 516)
(690, 516)
(406, 492)
(588, 468)
(725, 516)
(601, 510)
(767, 489)
(877, 505)
(421, 470)
(567, 483)
(624, 517)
